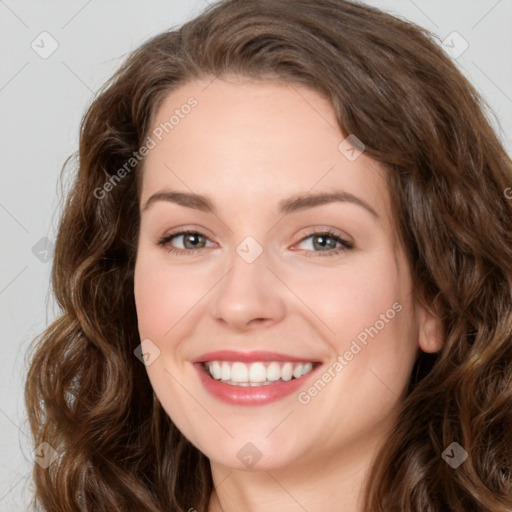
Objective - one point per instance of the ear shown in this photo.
(430, 329)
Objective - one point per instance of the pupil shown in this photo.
(191, 236)
(322, 240)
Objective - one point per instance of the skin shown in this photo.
(248, 145)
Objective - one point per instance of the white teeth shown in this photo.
(287, 371)
(256, 374)
(297, 371)
(216, 370)
(273, 372)
(225, 373)
(239, 372)
(307, 368)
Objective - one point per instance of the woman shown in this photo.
(285, 280)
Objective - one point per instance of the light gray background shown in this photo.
(41, 105)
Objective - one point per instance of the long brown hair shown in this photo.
(391, 86)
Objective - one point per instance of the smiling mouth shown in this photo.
(237, 373)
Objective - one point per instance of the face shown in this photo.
(287, 271)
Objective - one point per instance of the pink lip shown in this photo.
(249, 357)
(251, 395)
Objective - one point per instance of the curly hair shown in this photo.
(393, 87)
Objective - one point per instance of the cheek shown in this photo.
(351, 297)
(369, 320)
(375, 333)
(164, 294)
(371, 332)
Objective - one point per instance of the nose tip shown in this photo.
(244, 322)
(249, 295)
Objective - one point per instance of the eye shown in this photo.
(326, 242)
(192, 241)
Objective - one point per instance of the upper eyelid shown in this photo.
(188, 232)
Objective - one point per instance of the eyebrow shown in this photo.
(292, 204)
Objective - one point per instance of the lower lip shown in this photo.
(251, 395)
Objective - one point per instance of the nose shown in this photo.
(250, 295)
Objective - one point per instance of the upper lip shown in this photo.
(253, 356)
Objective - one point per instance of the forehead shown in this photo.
(258, 141)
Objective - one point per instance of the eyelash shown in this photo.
(346, 245)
